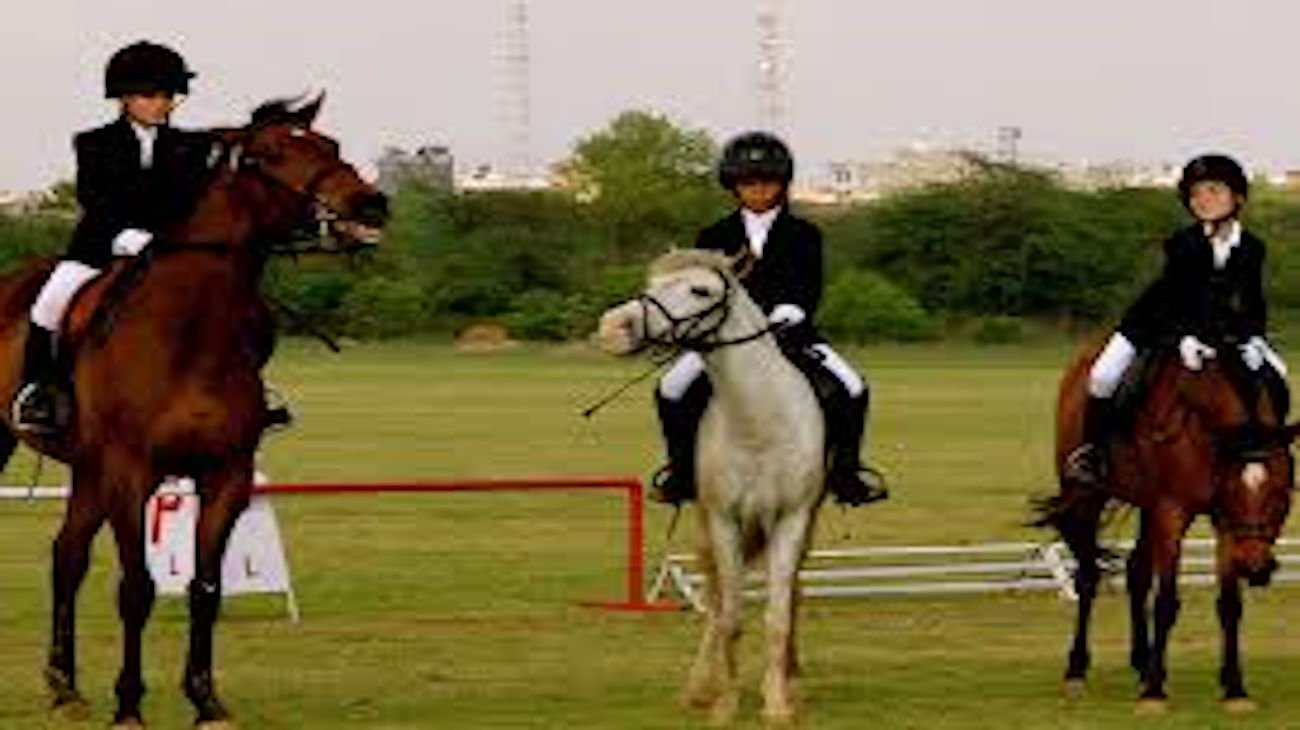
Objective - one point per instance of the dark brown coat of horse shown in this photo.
(1199, 443)
(175, 388)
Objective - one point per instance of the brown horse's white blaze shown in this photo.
(760, 469)
(176, 387)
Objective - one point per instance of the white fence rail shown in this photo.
(945, 570)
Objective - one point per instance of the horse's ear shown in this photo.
(304, 112)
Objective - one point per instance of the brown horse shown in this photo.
(1199, 443)
(175, 387)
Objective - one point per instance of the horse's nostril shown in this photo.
(372, 209)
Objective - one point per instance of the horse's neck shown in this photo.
(753, 381)
(234, 210)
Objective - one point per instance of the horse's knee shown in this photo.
(205, 600)
(136, 594)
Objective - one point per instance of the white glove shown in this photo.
(1252, 353)
(131, 241)
(786, 315)
(1194, 352)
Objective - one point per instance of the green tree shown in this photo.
(650, 182)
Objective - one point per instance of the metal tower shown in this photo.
(772, 66)
(517, 93)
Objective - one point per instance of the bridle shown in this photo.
(323, 215)
(690, 332)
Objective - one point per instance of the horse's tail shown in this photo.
(1077, 516)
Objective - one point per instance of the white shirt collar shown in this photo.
(757, 226)
(147, 134)
(1223, 241)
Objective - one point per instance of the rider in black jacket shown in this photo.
(135, 176)
(1210, 291)
(779, 260)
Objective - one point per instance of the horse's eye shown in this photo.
(701, 291)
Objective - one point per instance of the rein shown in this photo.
(675, 344)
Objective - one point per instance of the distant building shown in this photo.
(432, 166)
(852, 181)
(486, 177)
(23, 202)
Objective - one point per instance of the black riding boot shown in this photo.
(35, 406)
(674, 483)
(846, 420)
(1089, 463)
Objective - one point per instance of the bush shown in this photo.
(543, 314)
(999, 331)
(380, 308)
(863, 305)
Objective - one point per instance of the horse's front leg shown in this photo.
(1138, 578)
(1168, 524)
(223, 497)
(785, 553)
(718, 650)
(71, 558)
(135, 597)
(1235, 698)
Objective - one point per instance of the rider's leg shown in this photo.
(844, 397)
(681, 398)
(34, 406)
(1088, 462)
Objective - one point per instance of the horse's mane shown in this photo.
(680, 259)
(273, 112)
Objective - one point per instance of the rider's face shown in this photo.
(151, 109)
(1212, 201)
(759, 195)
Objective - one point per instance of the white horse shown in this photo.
(760, 469)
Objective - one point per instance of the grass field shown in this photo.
(459, 611)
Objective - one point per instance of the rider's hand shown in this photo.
(131, 241)
(1193, 352)
(1252, 353)
(786, 315)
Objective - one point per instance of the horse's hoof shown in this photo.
(214, 725)
(1239, 706)
(1073, 689)
(699, 695)
(724, 711)
(74, 709)
(784, 718)
(134, 723)
(1151, 706)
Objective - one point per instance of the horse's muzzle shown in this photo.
(371, 209)
(1261, 576)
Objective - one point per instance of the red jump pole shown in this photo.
(630, 486)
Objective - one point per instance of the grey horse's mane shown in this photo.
(680, 259)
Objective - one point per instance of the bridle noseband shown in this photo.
(309, 193)
(690, 332)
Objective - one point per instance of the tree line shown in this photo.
(1002, 247)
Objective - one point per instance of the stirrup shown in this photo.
(1085, 465)
(276, 415)
(861, 486)
(665, 488)
(22, 418)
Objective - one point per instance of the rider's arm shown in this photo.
(100, 189)
(1253, 292)
(802, 286)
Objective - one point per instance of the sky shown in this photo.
(1147, 80)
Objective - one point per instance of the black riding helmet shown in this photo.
(755, 155)
(1220, 168)
(146, 67)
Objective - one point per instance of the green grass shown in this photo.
(460, 611)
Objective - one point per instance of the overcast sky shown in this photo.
(1153, 80)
